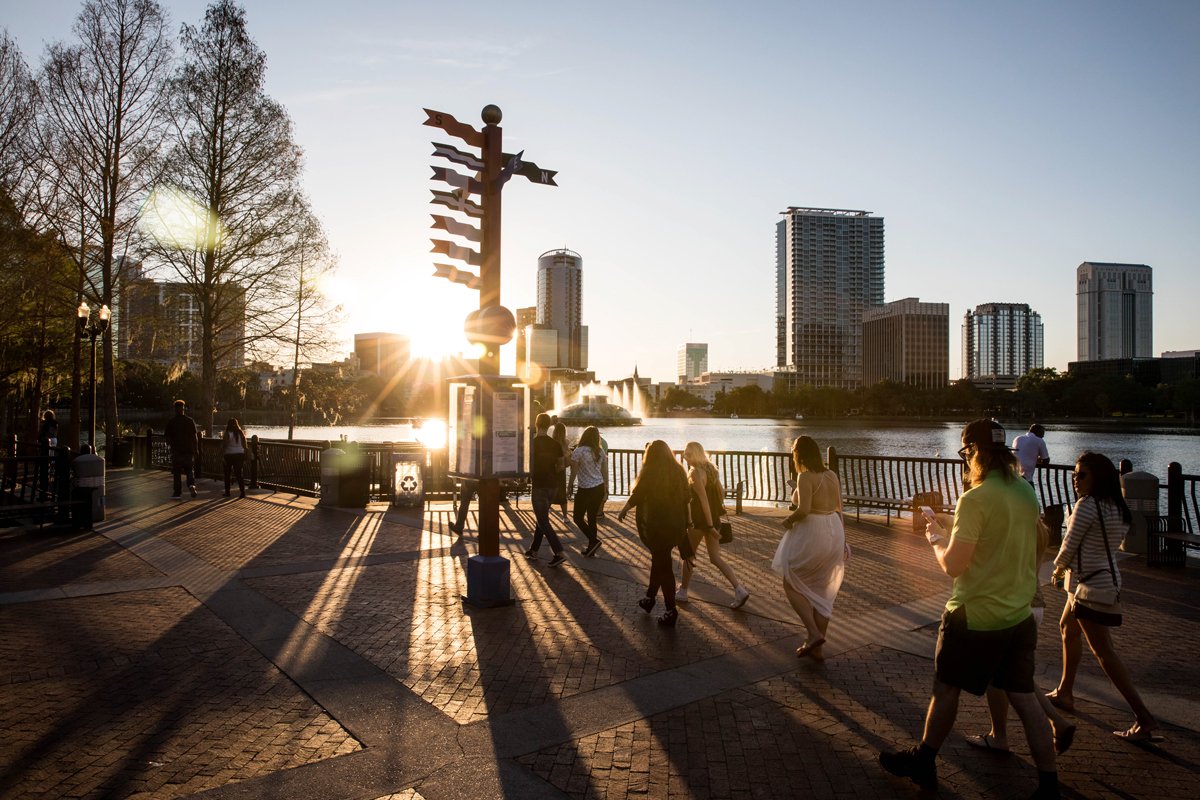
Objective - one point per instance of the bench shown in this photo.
(1167, 541)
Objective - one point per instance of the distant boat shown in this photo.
(733, 416)
(799, 416)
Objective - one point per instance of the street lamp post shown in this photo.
(92, 329)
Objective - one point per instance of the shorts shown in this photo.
(970, 660)
(1109, 616)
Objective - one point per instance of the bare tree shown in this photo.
(233, 162)
(100, 128)
(17, 108)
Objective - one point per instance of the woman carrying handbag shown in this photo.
(1094, 531)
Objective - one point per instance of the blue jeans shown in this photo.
(543, 498)
(587, 502)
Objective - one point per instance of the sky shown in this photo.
(1003, 143)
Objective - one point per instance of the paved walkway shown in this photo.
(269, 648)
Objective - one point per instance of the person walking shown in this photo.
(233, 454)
(182, 437)
(707, 505)
(1094, 531)
(545, 463)
(1031, 451)
(590, 471)
(996, 739)
(988, 634)
(811, 556)
(660, 494)
(47, 439)
(558, 432)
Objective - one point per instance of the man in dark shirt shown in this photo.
(547, 460)
(181, 435)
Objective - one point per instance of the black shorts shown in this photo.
(970, 660)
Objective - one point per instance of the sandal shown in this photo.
(1137, 733)
(1063, 742)
(987, 742)
(1059, 702)
(807, 648)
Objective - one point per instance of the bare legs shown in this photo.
(712, 543)
(997, 701)
(1100, 642)
(814, 623)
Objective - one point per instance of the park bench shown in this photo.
(896, 484)
(1167, 541)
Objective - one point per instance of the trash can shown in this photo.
(89, 474)
(120, 454)
(354, 480)
(331, 463)
(1141, 495)
(408, 479)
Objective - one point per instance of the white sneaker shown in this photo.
(681, 595)
(740, 596)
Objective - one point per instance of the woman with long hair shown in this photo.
(707, 505)
(660, 495)
(1094, 532)
(812, 554)
(233, 451)
(590, 471)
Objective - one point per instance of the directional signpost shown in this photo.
(483, 446)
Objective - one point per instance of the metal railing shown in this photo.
(759, 477)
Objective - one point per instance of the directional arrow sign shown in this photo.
(533, 172)
(453, 178)
(456, 275)
(440, 119)
(452, 200)
(452, 250)
(451, 225)
(511, 164)
(471, 162)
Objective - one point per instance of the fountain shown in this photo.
(596, 404)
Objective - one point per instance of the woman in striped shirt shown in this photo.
(1094, 532)
(590, 470)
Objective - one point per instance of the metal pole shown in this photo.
(92, 422)
(489, 297)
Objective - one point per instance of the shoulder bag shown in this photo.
(1098, 592)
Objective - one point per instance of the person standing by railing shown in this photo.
(1031, 451)
(233, 455)
(47, 440)
(707, 504)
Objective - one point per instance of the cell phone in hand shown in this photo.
(927, 512)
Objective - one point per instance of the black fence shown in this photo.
(37, 485)
(756, 477)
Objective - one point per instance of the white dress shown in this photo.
(811, 558)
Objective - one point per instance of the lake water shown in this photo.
(1150, 449)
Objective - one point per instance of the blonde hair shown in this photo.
(694, 452)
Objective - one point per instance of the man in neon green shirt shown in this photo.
(988, 634)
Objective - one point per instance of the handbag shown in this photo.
(1099, 592)
(725, 529)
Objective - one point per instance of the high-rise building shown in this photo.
(692, 361)
(1001, 342)
(383, 354)
(160, 321)
(1115, 311)
(829, 270)
(907, 341)
(560, 305)
(525, 317)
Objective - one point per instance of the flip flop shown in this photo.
(807, 648)
(1060, 703)
(986, 742)
(1063, 742)
(1136, 734)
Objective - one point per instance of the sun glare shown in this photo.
(174, 219)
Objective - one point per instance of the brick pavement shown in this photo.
(268, 647)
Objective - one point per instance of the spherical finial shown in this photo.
(491, 114)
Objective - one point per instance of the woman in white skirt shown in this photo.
(812, 554)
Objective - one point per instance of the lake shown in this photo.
(1150, 449)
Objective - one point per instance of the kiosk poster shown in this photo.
(466, 443)
(506, 433)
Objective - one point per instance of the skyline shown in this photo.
(1002, 146)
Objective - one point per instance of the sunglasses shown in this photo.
(965, 451)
